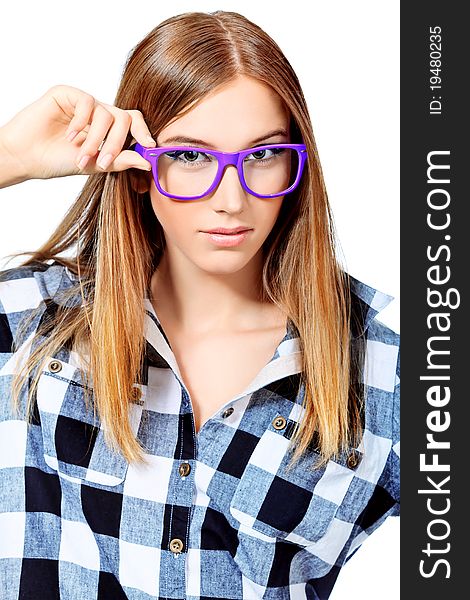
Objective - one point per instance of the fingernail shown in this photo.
(151, 140)
(105, 161)
(71, 135)
(83, 161)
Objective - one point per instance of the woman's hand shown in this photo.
(53, 136)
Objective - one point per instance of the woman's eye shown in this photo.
(264, 154)
(190, 155)
(260, 154)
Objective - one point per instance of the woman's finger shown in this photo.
(82, 105)
(115, 139)
(102, 120)
(139, 129)
(128, 159)
(112, 147)
(138, 126)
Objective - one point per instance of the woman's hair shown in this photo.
(119, 243)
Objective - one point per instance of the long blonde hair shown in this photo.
(119, 242)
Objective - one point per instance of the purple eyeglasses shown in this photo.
(190, 173)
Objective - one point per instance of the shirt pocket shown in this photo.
(73, 439)
(296, 505)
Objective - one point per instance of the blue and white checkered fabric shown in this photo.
(212, 514)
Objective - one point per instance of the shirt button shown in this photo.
(55, 366)
(136, 395)
(227, 412)
(184, 469)
(176, 545)
(353, 459)
(279, 423)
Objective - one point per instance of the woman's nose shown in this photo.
(229, 194)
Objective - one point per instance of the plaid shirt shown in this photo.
(213, 514)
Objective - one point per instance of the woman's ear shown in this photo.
(140, 180)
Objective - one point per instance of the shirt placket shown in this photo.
(182, 488)
(177, 514)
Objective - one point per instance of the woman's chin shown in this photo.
(224, 263)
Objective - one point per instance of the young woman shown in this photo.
(197, 401)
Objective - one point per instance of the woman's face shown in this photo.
(238, 115)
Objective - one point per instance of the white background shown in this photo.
(346, 55)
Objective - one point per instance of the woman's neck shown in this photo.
(201, 302)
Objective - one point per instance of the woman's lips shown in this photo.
(227, 239)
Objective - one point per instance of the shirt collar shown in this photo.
(366, 302)
(370, 299)
(286, 360)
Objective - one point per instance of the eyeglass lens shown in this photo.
(192, 173)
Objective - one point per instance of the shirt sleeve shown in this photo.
(21, 301)
(395, 450)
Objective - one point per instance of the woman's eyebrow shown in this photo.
(180, 139)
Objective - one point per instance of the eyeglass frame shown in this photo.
(224, 159)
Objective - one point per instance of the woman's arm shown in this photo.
(12, 171)
(35, 143)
